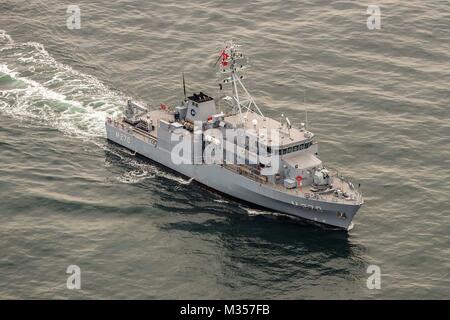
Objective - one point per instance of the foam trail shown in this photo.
(259, 212)
(186, 182)
(33, 85)
(5, 38)
(220, 201)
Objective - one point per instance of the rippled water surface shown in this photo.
(377, 100)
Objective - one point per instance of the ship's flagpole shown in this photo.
(306, 109)
(184, 88)
(218, 59)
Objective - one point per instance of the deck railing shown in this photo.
(246, 171)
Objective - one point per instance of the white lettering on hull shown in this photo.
(123, 137)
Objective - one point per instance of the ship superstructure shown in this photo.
(239, 151)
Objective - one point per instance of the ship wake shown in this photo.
(34, 86)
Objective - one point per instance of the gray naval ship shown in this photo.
(228, 145)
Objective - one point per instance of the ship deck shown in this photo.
(254, 121)
(306, 192)
(354, 197)
(156, 116)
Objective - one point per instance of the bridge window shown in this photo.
(293, 149)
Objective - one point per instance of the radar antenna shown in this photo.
(231, 65)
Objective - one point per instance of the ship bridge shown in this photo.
(290, 139)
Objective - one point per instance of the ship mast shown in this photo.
(232, 65)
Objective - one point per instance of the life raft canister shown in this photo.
(299, 180)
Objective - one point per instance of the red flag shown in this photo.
(225, 55)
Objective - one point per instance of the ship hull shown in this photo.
(238, 186)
